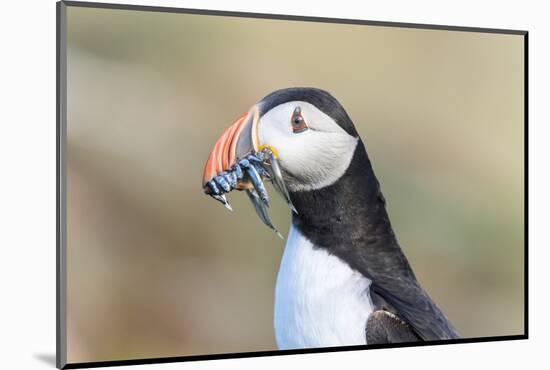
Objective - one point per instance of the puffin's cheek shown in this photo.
(296, 158)
(270, 134)
(276, 139)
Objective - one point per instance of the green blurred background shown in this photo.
(156, 268)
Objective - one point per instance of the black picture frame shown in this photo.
(61, 118)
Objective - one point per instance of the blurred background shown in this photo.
(156, 268)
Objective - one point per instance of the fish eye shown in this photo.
(297, 121)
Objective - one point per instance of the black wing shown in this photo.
(395, 288)
(384, 327)
(410, 303)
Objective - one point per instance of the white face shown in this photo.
(312, 158)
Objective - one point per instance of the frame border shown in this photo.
(287, 17)
(61, 188)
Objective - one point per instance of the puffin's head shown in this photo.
(308, 130)
(307, 135)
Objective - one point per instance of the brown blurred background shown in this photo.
(156, 268)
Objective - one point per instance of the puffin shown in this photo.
(343, 279)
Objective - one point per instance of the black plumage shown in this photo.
(384, 327)
(349, 220)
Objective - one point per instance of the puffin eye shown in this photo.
(297, 121)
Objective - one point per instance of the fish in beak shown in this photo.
(239, 161)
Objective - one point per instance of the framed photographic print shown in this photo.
(235, 184)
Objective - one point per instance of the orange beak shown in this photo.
(238, 161)
(238, 140)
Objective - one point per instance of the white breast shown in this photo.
(319, 300)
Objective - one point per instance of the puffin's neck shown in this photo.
(348, 214)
